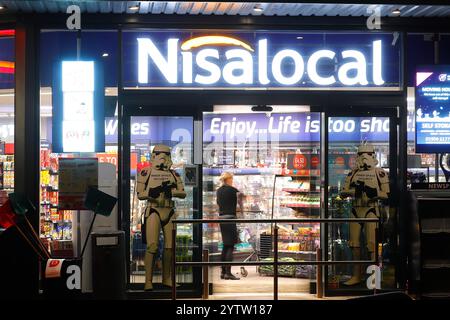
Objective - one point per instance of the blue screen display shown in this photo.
(432, 116)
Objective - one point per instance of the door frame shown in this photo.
(175, 102)
(128, 110)
(395, 187)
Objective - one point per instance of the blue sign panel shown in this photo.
(291, 127)
(228, 59)
(7, 62)
(433, 109)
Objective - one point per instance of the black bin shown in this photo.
(108, 265)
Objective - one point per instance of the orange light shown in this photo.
(214, 40)
(6, 64)
(6, 67)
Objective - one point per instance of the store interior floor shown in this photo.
(254, 286)
(258, 287)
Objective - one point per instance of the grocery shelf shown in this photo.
(297, 205)
(299, 238)
(293, 190)
(296, 252)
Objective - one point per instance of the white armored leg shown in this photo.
(152, 234)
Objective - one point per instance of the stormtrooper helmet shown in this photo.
(161, 158)
(366, 158)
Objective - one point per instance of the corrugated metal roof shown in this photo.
(224, 8)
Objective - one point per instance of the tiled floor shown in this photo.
(255, 283)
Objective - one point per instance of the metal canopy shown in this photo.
(411, 9)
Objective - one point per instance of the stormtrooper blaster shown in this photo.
(165, 188)
(361, 188)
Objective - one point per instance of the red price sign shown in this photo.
(300, 162)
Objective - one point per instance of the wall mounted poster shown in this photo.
(75, 176)
(433, 109)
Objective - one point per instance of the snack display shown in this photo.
(55, 224)
(298, 197)
(7, 172)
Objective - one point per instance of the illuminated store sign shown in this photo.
(78, 108)
(257, 59)
(433, 109)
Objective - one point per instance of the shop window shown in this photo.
(7, 132)
(422, 167)
(176, 133)
(359, 187)
(60, 229)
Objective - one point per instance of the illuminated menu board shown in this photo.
(432, 115)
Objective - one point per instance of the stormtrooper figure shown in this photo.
(157, 184)
(366, 184)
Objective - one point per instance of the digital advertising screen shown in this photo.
(432, 115)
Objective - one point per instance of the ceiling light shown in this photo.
(300, 38)
(258, 8)
(105, 54)
(396, 11)
(2, 7)
(134, 8)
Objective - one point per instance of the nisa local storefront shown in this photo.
(285, 113)
(289, 113)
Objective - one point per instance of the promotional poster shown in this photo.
(433, 109)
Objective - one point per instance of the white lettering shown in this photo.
(312, 67)
(168, 67)
(215, 124)
(299, 67)
(359, 65)
(245, 64)
(377, 63)
(213, 69)
(74, 20)
(262, 62)
(236, 66)
(74, 279)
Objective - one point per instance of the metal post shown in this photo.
(275, 264)
(205, 275)
(174, 262)
(319, 283)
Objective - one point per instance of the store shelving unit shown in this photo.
(7, 173)
(434, 222)
(55, 224)
(256, 185)
(296, 195)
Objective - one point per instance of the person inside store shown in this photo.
(228, 197)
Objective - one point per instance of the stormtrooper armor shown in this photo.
(157, 184)
(366, 184)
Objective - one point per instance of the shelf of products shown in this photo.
(7, 172)
(297, 196)
(55, 224)
(256, 185)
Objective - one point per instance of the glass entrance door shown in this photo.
(144, 133)
(275, 160)
(361, 176)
